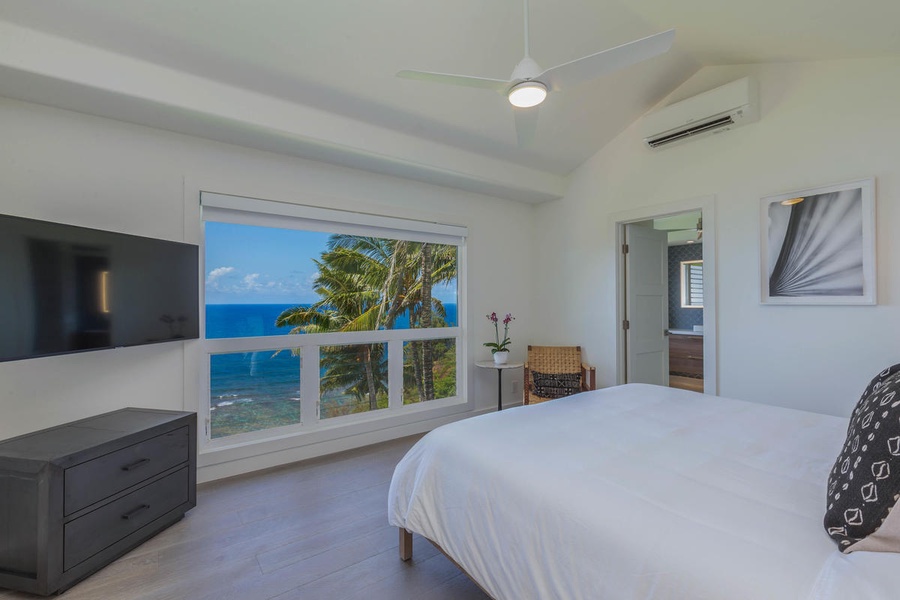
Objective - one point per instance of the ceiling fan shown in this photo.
(529, 85)
(699, 229)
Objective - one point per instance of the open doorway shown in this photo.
(666, 296)
(684, 270)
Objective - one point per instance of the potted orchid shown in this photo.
(500, 349)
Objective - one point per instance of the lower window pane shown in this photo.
(251, 391)
(353, 379)
(429, 370)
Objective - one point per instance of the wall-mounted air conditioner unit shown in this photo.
(723, 108)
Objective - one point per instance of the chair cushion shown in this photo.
(556, 385)
(864, 484)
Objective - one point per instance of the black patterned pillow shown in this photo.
(555, 385)
(864, 484)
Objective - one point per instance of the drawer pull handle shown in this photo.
(135, 464)
(136, 512)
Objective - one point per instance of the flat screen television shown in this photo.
(72, 289)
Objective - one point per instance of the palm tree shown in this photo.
(367, 283)
(429, 265)
(344, 305)
(359, 369)
(385, 265)
(436, 263)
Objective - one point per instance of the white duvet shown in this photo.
(638, 491)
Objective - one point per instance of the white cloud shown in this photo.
(233, 283)
(251, 281)
(218, 272)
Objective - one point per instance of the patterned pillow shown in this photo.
(864, 485)
(556, 385)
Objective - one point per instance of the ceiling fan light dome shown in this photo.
(527, 94)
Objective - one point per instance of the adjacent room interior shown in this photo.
(331, 214)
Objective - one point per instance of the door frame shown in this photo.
(706, 206)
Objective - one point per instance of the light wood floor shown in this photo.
(315, 530)
(686, 383)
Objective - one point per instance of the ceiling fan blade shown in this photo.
(526, 125)
(607, 61)
(497, 85)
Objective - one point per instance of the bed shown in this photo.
(637, 491)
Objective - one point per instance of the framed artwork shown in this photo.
(817, 246)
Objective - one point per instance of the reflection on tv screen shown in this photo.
(70, 289)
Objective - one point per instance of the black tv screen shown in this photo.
(71, 289)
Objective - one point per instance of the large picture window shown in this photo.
(315, 317)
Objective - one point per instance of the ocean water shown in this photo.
(265, 376)
(262, 376)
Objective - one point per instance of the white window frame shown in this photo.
(688, 296)
(251, 211)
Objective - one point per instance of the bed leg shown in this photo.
(405, 544)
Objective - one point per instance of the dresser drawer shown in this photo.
(102, 477)
(91, 533)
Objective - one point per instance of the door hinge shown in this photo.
(624, 248)
(626, 325)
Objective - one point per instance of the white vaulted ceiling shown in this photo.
(317, 79)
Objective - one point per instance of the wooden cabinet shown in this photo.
(74, 498)
(686, 355)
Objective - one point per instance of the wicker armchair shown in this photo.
(556, 371)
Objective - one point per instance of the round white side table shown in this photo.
(489, 364)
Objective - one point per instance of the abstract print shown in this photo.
(817, 246)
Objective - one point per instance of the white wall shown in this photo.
(72, 168)
(821, 122)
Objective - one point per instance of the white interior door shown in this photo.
(646, 305)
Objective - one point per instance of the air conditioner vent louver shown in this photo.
(720, 123)
(717, 110)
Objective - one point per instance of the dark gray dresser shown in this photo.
(75, 497)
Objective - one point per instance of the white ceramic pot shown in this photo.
(500, 358)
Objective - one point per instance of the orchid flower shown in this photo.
(497, 345)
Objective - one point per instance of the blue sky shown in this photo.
(246, 264)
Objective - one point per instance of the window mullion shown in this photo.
(395, 374)
(309, 385)
(205, 404)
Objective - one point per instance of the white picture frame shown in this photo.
(817, 246)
